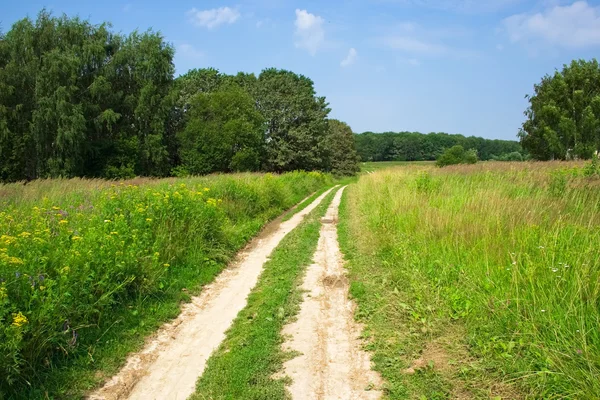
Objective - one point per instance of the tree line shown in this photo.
(77, 99)
(415, 146)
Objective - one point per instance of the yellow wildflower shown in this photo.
(7, 240)
(114, 233)
(19, 319)
(63, 221)
(156, 254)
(206, 189)
(65, 270)
(166, 265)
(42, 288)
(3, 293)
(24, 234)
(14, 261)
(76, 238)
(148, 219)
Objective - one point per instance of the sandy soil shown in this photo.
(332, 364)
(170, 363)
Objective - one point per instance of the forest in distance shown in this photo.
(415, 146)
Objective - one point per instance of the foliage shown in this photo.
(77, 99)
(414, 146)
(498, 267)
(342, 157)
(75, 265)
(223, 133)
(563, 117)
(296, 121)
(457, 155)
(513, 156)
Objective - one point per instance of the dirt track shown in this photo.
(332, 364)
(171, 362)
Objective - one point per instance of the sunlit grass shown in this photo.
(507, 250)
(87, 268)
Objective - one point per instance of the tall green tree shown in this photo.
(79, 100)
(224, 133)
(342, 158)
(296, 121)
(563, 117)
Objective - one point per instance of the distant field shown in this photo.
(374, 166)
(478, 281)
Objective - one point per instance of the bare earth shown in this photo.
(170, 363)
(332, 364)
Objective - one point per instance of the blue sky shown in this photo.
(457, 66)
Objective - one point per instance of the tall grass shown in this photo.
(87, 263)
(509, 250)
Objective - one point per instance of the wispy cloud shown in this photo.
(350, 58)
(461, 6)
(189, 51)
(309, 33)
(572, 26)
(414, 40)
(214, 17)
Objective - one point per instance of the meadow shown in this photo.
(90, 267)
(478, 281)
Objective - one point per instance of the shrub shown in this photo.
(457, 155)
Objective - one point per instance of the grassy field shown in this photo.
(478, 281)
(367, 167)
(88, 268)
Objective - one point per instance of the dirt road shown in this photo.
(171, 362)
(332, 364)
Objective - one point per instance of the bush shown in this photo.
(72, 266)
(457, 155)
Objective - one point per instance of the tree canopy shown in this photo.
(77, 99)
(563, 117)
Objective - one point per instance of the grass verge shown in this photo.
(244, 365)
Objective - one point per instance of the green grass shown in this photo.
(244, 364)
(89, 268)
(490, 273)
(372, 166)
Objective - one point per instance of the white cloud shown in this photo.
(309, 31)
(212, 18)
(572, 26)
(350, 58)
(189, 51)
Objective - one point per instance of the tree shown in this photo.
(342, 156)
(296, 121)
(79, 100)
(563, 117)
(224, 133)
(457, 155)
